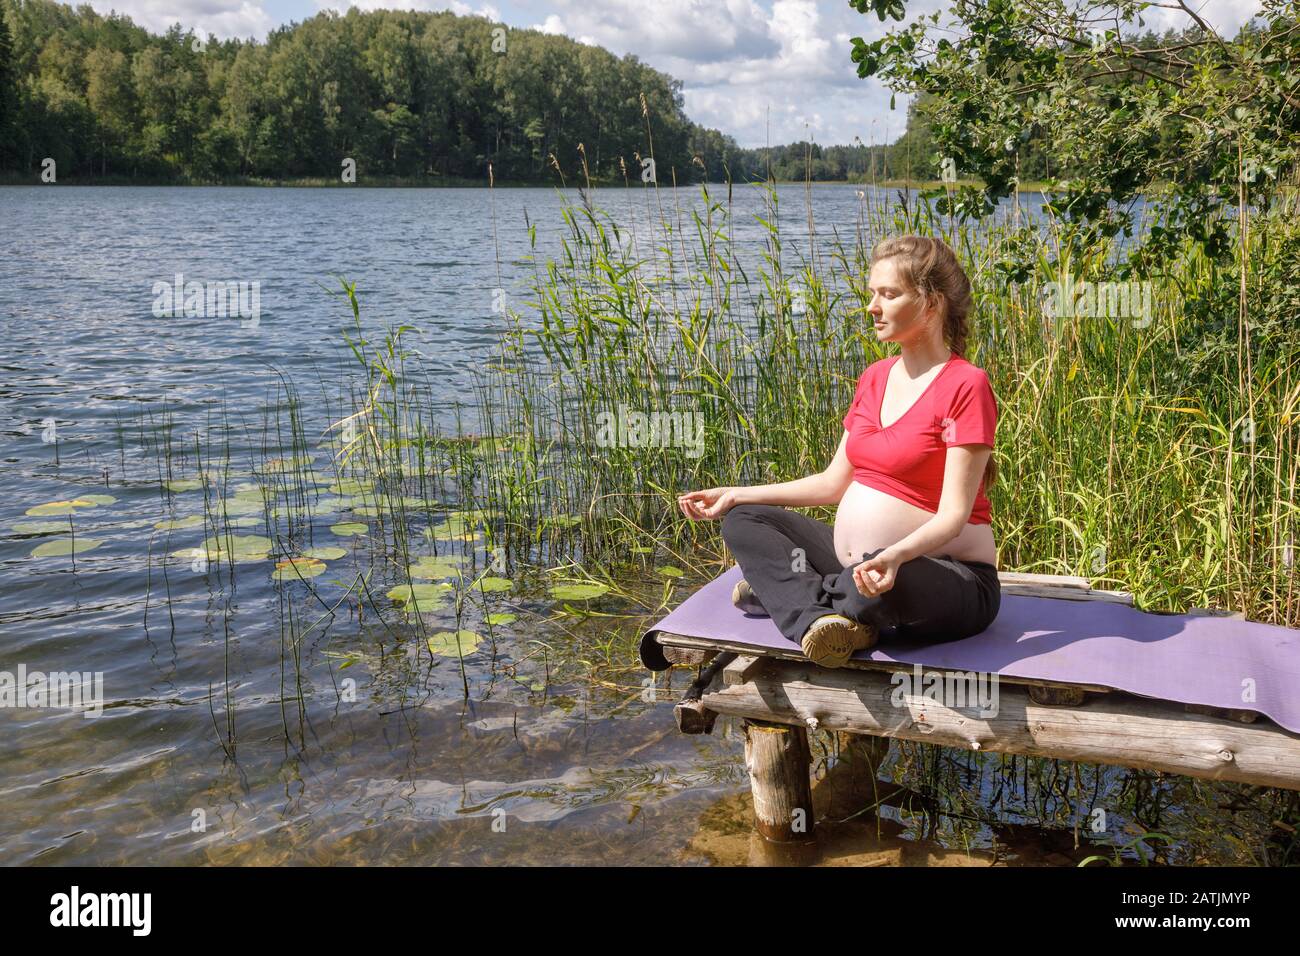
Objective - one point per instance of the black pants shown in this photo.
(790, 563)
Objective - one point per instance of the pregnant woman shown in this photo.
(912, 548)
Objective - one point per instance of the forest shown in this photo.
(402, 94)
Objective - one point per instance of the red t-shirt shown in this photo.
(907, 459)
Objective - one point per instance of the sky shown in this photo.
(762, 71)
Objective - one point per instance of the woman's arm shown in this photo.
(963, 469)
(825, 488)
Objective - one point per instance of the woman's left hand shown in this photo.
(875, 576)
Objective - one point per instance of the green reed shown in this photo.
(1145, 452)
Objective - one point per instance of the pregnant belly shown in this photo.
(867, 519)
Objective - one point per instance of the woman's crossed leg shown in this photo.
(789, 561)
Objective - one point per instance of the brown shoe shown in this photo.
(743, 596)
(833, 638)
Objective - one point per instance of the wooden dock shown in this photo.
(780, 695)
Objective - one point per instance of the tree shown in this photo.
(8, 95)
(110, 97)
(1184, 121)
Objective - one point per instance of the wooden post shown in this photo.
(778, 761)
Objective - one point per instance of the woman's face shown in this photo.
(899, 314)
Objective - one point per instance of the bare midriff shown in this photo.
(867, 519)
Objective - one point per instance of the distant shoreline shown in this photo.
(403, 182)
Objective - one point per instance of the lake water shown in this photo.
(352, 745)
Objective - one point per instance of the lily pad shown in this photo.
(242, 547)
(351, 486)
(293, 568)
(500, 617)
(458, 525)
(65, 546)
(348, 502)
(325, 553)
(40, 527)
(238, 505)
(496, 584)
(241, 557)
(454, 643)
(578, 592)
(669, 571)
(490, 446)
(175, 524)
(424, 597)
(97, 499)
(442, 566)
(129, 525)
(238, 544)
(348, 528)
(59, 507)
(283, 514)
(188, 555)
(278, 466)
(441, 533)
(179, 485)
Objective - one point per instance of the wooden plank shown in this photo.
(668, 639)
(1216, 612)
(1054, 580)
(741, 669)
(1065, 587)
(1056, 696)
(693, 717)
(1227, 713)
(1120, 729)
(688, 656)
(1068, 594)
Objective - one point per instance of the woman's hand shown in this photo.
(875, 576)
(707, 505)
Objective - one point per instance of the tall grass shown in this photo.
(1153, 457)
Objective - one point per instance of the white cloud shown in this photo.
(690, 31)
(553, 25)
(736, 58)
(226, 19)
(1226, 17)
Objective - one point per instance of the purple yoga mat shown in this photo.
(1175, 657)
